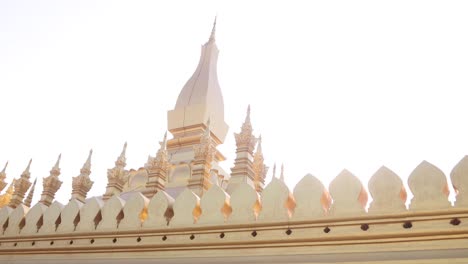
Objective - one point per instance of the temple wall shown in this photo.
(310, 224)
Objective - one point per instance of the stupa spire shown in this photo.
(200, 98)
(82, 183)
(28, 200)
(51, 184)
(213, 30)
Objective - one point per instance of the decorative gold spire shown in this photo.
(121, 160)
(82, 183)
(6, 197)
(28, 200)
(247, 117)
(259, 167)
(274, 171)
(213, 30)
(21, 187)
(199, 181)
(86, 169)
(117, 176)
(157, 168)
(243, 165)
(245, 140)
(3, 184)
(26, 173)
(51, 184)
(56, 170)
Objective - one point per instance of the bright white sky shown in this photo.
(332, 84)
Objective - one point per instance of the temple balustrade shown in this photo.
(309, 214)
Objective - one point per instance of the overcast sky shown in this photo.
(332, 84)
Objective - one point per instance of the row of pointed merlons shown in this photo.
(310, 200)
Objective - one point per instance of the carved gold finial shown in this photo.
(81, 184)
(121, 160)
(29, 198)
(51, 184)
(26, 173)
(117, 176)
(86, 169)
(204, 153)
(56, 170)
(157, 168)
(213, 30)
(21, 187)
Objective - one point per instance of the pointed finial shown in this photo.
(55, 171)
(282, 173)
(164, 142)
(29, 198)
(259, 144)
(26, 172)
(87, 164)
(124, 150)
(57, 164)
(4, 168)
(247, 118)
(274, 171)
(213, 30)
(29, 166)
(121, 159)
